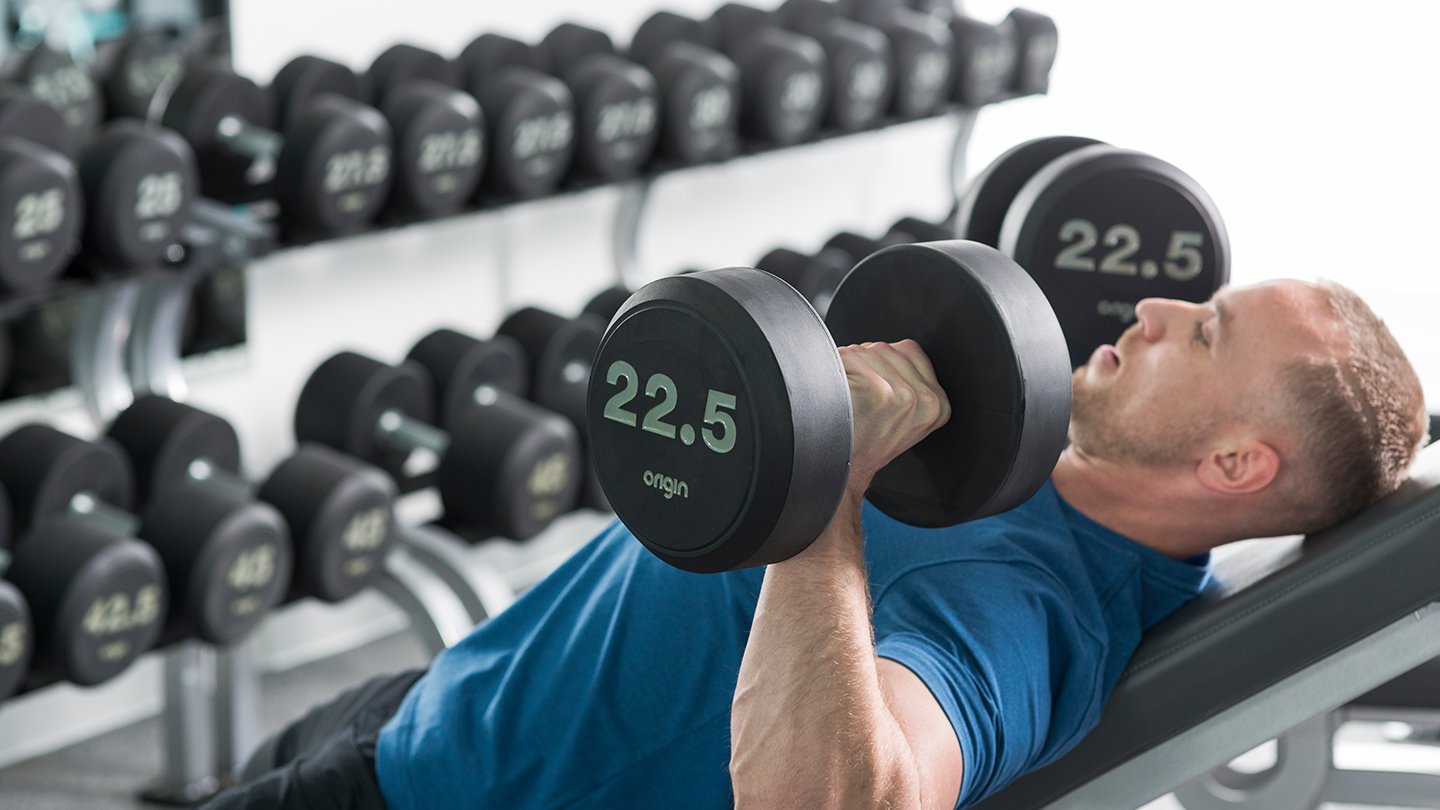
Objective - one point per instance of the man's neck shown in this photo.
(1148, 506)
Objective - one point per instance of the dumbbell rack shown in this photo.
(443, 587)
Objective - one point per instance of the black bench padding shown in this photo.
(1275, 609)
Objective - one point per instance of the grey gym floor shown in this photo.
(106, 772)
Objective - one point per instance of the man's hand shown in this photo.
(895, 401)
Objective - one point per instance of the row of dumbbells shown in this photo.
(420, 135)
(149, 535)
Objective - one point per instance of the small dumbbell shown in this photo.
(862, 73)
(58, 80)
(985, 60)
(98, 595)
(139, 181)
(922, 48)
(497, 461)
(40, 197)
(857, 247)
(814, 277)
(607, 302)
(331, 170)
(915, 229)
(16, 631)
(1038, 41)
(531, 115)
(617, 102)
(560, 351)
(439, 131)
(337, 511)
(783, 74)
(133, 69)
(699, 92)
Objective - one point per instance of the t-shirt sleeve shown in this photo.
(1007, 654)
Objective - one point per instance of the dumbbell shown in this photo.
(331, 169)
(857, 246)
(617, 102)
(815, 277)
(699, 92)
(40, 196)
(496, 461)
(915, 229)
(720, 413)
(922, 48)
(1099, 228)
(139, 182)
(16, 631)
(438, 130)
(132, 69)
(58, 80)
(784, 79)
(531, 115)
(1038, 42)
(862, 72)
(334, 511)
(560, 351)
(995, 62)
(98, 596)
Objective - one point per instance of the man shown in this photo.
(915, 668)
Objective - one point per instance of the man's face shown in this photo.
(1184, 371)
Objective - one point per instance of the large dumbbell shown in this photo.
(720, 417)
(98, 595)
(330, 171)
(862, 72)
(40, 198)
(531, 115)
(16, 633)
(488, 457)
(922, 48)
(439, 131)
(617, 102)
(336, 512)
(1099, 228)
(58, 80)
(784, 75)
(561, 352)
(139, 182)
(699, 92)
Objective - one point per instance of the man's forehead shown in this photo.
(1274, 310)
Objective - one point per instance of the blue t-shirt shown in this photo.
(609, 683)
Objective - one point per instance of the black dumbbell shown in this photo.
(133, 69)
(986, 56)
(58, 80)
(1037, 41)
(915, 229)
(41, 339)
(400, 65)
(336, 511)
(560, 351)
(215, 317)
(438, 130)
(40, 198)
(98, 595)
(139, 182)
(699, 91)
(857, 246)
(783, 74)
(922, 48)
(816, 277)
(16, 632)
(607, 302)
(862, 72)
(617, 102)
(330, 171)
(531, 115)
(383, 414)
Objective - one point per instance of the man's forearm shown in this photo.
(809, 724)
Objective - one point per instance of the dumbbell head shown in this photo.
(814, 277)
(1038, 41)
(915, 229)
(530, 115)
(39, 194)
(305, 78)
(402, 64)
(336, 167)
(982, 209)
(569, 44)
(340, 514)
(139, 182)
(922, 48)
(228, 556)
(699, 88)
(985, 60)
(439, 148)
(665, 28)
(607, 302)
(16, 639)
(98, 598)
(134, 68)
(460, 365)
(857, 247)
(785, 88)
(58, 80)
(862, 77)
(205, 96)
(341, 404)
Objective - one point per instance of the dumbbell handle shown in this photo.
(398, 431)
(244, 138)
(113, 521)
(202, 469)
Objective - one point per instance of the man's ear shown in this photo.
(1239, 467)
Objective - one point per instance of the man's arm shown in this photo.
(818, 720)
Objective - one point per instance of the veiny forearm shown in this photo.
(809, 724)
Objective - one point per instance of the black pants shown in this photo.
(326, 759)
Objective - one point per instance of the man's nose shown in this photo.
(1157, 315)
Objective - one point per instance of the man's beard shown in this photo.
(1100, 429)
